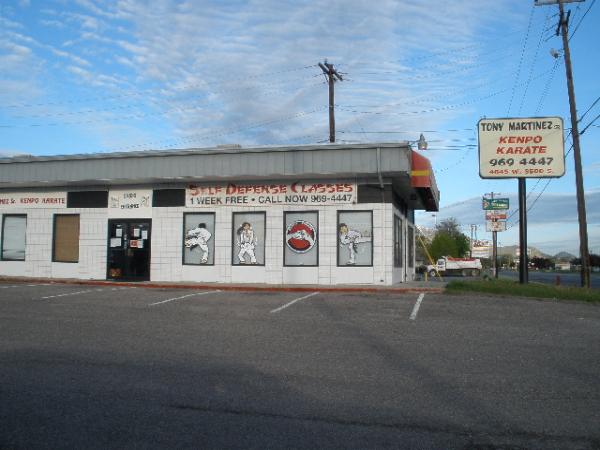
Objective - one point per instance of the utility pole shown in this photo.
(494, 242)
(332, 76)
(563, 28)
(473, 230)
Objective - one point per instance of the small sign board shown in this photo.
(495, 225)
(500, 214)
(490, 204)
(521, 147)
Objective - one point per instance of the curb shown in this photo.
(232, 287)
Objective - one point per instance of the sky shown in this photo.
(86, 76)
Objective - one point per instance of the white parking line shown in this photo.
(183, 296)
(23, 285)
(69, 293)
(415, 310)
(293, 301)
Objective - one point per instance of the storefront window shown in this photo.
(411, 247)
(199, 238)
(355, 238)
(301, 234)
(13, 237)
(65, 246)
(398, 260)
(248, 238)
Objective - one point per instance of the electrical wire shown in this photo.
(590, 124)
(134, 105)
(521, 60)
(581, 20)
(200, 137)
(588, 110)
(532, 67)
(133, 93)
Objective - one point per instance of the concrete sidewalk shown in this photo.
(411, 286)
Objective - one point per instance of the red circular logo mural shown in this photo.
(300, 236)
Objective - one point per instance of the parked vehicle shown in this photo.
(448, 265)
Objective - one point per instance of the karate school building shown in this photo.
(315, 214)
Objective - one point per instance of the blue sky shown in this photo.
(88, 76)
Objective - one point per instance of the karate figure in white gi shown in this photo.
(351, 238)
(247, 242)
(199, 237)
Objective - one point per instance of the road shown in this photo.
(103, 367)
(566, 278)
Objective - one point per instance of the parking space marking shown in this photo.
(23, 285)
(71, 293)
(183, 296)
(293, 301)
(413, 314)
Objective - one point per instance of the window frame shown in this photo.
(398, 238)
(2, 258)
(337, 237)
(410, 237)
(213, 238)
(55, 217)
(284, 240)
(234, 240)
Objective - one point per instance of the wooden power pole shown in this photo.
(332, 76)
(563, 28)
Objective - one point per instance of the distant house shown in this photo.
(562, 266)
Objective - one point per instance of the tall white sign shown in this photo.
(521, 148)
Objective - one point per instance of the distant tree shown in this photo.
(443, 244)
(541, 263)
(505, 261)
(451, 228)
(594, 260)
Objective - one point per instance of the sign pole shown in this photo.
(523, 262)
(495, 251)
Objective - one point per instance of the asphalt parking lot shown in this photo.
(132, 367)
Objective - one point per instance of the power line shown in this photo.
(133, 93)
(532, 66)
(200, 137)
(581, 20)
(521, 60)
(588, 110)
(436, 54)
(590, 124)
(134, 105)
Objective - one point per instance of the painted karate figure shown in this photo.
(351, 238)
(199, 237)
(247, 242)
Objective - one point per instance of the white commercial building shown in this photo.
(327, 214)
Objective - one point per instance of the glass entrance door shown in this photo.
(128, 256)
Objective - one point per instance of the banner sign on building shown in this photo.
(33, 200)
(130, 202)
(521, 148)
(296, 193)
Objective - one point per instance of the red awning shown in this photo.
(420, 174)
(423, 181)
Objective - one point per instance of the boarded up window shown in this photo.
(66, 238)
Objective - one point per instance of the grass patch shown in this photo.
(514, 288)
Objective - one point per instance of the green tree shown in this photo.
(443, 244)
(449, 229)
(541, 263)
